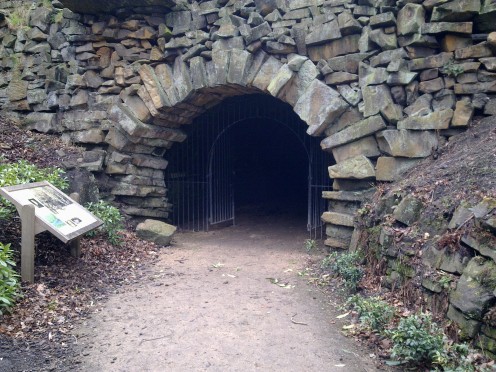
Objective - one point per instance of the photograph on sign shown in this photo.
(54, 208)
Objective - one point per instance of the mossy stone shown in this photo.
(474, 290)
(468, 327)
(408, 211)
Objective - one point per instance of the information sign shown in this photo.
(57, 213)
(43, 207)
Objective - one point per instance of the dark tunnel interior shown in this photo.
(249, 155)
(270, 166)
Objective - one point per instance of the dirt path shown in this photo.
(207, 305)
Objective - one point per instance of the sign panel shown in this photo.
(54, 210)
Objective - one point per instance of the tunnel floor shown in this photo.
(212, 302)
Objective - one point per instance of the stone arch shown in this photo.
(146, 122)
(171, 96)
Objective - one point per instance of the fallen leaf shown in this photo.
(394, 362)
(343, 315)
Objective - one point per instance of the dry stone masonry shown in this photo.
(384, 83)
(440, 262)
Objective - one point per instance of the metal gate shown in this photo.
(200, 172)
(220, 181)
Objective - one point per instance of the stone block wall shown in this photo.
(437, 250)
(383, 83)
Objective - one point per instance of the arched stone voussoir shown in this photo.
(283, 76)
(305, 72)
(124, 119)
(180, 93)
(165, 76)
(199, 74)
(266, 73)
(238, 72)
(287, 81)
(175, 91)
(154, 88)
(182, 79)
(227, 67)
(165, 88)
(239, 67)
(319, 106)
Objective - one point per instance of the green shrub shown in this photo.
(452, 69)
(18, 19)
(310, 245)
(9, 283)
(57, 16)
(373, 313)
(23, 172)
(112, 221)
(454, 358)
(417, 340)
(347, 266)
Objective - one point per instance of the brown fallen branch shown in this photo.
(465, 222)
(295, 322)
(154, 339)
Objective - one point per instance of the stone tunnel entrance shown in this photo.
(250, 155)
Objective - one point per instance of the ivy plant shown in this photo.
(9, 280)
(112, 221)
(373, 313)
(346, 266)
(417, 339)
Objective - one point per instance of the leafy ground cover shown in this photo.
(36, 336)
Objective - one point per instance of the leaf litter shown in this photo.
(37, 335)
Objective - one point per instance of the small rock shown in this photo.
(406, 143)
(408, 211)
(156, 231)
(474, 290)
(359, 167)
(391, 169)
(410, 18)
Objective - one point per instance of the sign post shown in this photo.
(28, 220)
(75, 244)
(43, 207)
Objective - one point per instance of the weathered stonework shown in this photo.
(123, 78)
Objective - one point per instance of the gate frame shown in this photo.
(315, 225)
